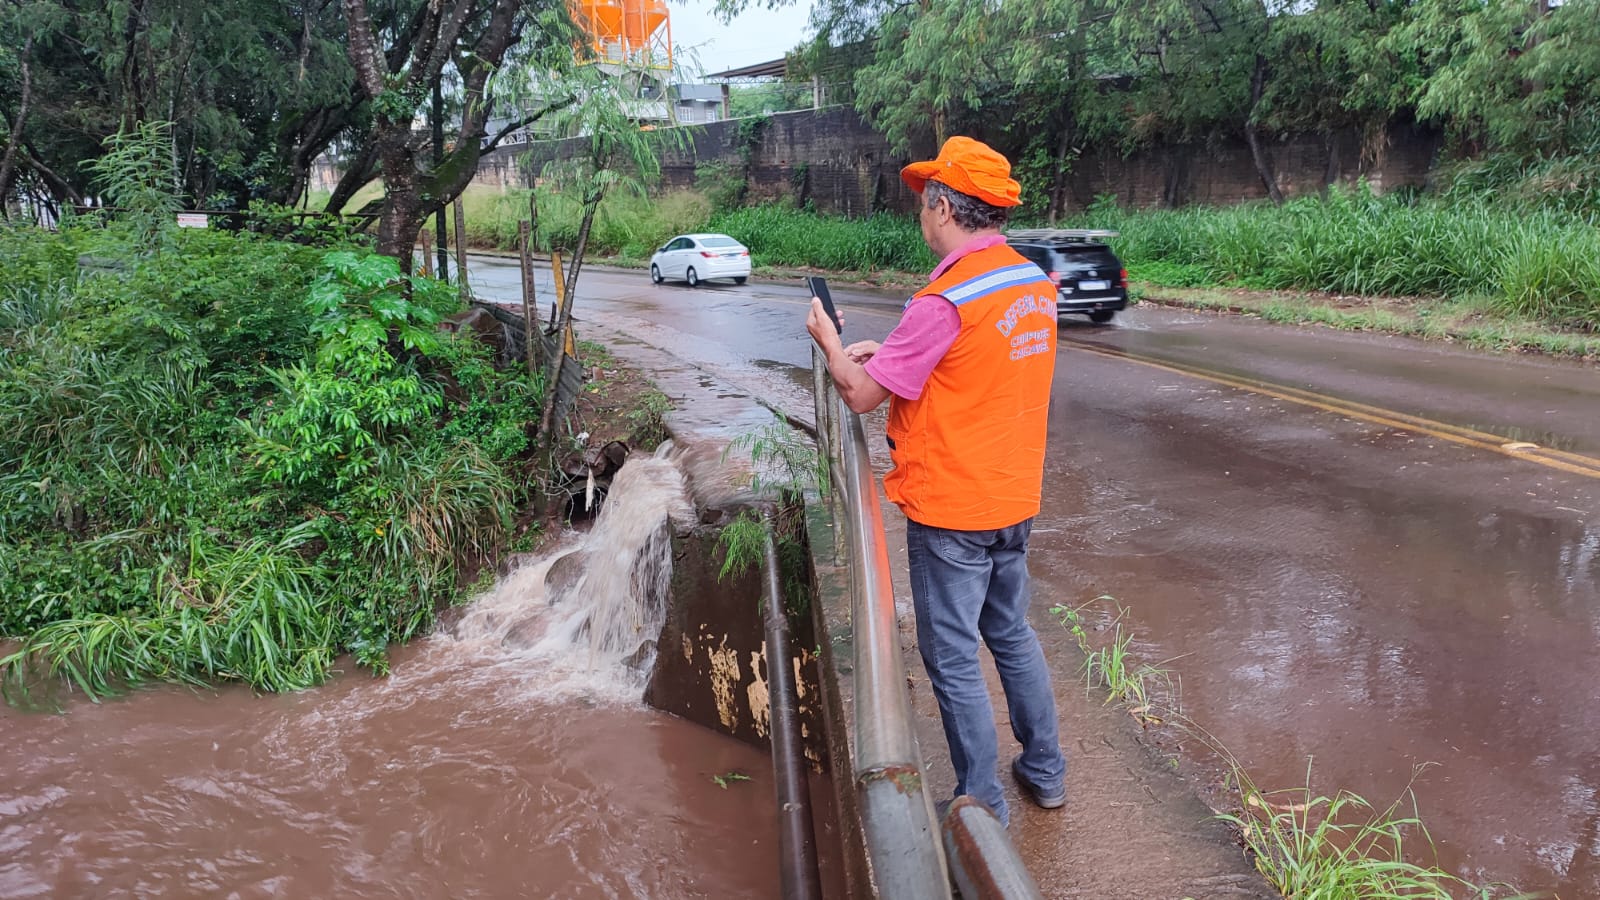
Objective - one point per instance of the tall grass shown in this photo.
(1311, 845)
(1542, 264)
(626, 224)
(784, 236)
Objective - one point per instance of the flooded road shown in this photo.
(508, 756)
(1334, 588)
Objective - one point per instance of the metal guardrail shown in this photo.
(901, 830)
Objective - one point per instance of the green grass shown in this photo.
(1321, 847)
(1309, 846)
(1539, 264)
(1471, 321)
(780, 235)
(1138, 686)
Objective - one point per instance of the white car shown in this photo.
(698, 257)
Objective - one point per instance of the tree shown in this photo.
(425, 41)
(254, 90)
(1503, 74)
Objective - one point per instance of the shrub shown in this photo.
(237, 459)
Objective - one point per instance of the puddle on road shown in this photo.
(1316, 607)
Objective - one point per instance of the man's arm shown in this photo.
(860, 392)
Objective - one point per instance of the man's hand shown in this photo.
(860, 392)
(861, 351)
(822, 331)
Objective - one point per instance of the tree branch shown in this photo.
(8, 162)
(364, 48)
(526, 121)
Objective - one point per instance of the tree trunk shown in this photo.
(1059, 184)
(1252, 134)
(9, 161)
(402, 206)
(1330, 173)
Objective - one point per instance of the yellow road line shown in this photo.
(1574, 463)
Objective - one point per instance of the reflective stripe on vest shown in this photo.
(969, 452)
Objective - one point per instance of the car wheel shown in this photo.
(740, 279)
(692, 277)
(1102, 316)
(655, 273)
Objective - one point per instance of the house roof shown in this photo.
(776, 68)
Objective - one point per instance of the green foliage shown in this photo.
(765, 99)
(784, 462)
(1138, 686)
(356, 396)
(778, 235)
(625, 224)
(136, 175)
(744, 542)
(648, 420)
(237, 460)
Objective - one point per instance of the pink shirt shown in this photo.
(926, 330)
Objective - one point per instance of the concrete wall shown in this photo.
(828, 157)
(831, 158)
(1221, 173)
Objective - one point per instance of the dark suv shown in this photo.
(1090, 278)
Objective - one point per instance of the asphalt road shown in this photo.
(1370, 552)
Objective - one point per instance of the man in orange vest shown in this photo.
(967, 374)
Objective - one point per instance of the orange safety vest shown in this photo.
(969, 452)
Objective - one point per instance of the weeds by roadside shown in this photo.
(1138, 686)
(1306, 844)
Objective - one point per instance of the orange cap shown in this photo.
(971, 167)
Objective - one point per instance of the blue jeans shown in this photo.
(970, 583)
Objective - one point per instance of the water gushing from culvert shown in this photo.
(508, 756)
(591, 609)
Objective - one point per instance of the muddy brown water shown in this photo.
(508, 756)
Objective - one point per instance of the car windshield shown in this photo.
(719, 242)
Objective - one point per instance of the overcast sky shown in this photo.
(756, 35)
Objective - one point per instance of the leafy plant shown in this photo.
(357, 394)
(744, 542)
(782, 462)
(136, 174)
(221, 464)
(648, 419)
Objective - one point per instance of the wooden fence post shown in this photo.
(530, 325)
(461, 252)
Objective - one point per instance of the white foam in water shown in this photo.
(582, 620)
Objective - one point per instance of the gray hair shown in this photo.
(969, 212)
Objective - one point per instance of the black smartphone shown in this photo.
(819, 290)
